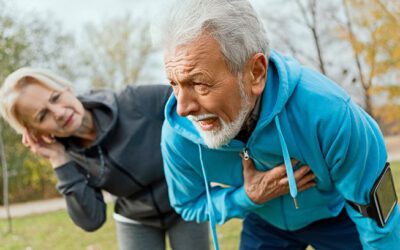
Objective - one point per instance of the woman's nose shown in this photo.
(58, 111)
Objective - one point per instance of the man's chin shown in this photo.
(214, 139)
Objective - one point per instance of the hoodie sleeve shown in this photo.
(356, 156)
(85, 204)
(186, 186)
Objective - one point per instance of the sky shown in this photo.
(75, 13)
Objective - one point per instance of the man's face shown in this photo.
(207, 92)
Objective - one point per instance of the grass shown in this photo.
(55, 231)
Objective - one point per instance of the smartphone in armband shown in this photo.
(383, 199)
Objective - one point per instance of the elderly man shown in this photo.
(235, 103)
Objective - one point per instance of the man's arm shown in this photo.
(356, 156)
(187, 191)
(187, 187)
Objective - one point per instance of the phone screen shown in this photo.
(386, 194)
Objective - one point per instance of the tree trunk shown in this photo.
(5, 181)
(368, 102)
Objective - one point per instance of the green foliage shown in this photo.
(374, 38)
(30, 177)
(30, 40)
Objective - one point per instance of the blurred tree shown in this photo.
(307, 30)
(309, 13)
(373, 30)
(117, 52)
(319, 33)
(29, 40)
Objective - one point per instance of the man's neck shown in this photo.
(250, 123)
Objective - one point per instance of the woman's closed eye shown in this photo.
(42, 115)
(55, 97)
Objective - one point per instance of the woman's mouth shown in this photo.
(69, 120)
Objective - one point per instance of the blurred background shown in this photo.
(105, 43)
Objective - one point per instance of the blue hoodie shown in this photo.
(304, 116)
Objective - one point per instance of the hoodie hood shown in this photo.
(103, 106)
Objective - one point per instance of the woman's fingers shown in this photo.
(24, 140)
(48, 139)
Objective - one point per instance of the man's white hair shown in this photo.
(234, 24)
(15, 82)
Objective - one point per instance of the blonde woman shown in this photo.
(102, 141)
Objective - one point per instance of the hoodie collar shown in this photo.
(102, 104)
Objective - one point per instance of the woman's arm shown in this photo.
(85, 204)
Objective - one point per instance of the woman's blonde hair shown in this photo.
(16, 81)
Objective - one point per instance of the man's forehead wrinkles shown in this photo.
(179, 68)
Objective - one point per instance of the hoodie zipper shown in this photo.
(245, 152)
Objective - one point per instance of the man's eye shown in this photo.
(201, 88)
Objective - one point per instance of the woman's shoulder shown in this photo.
(149, 99)
(143, 92)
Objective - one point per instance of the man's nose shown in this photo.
(187, 103)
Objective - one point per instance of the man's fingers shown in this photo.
(306, 179)
(307, 186)
(299, 173)
(302, 178)
(284, 181)
(278, 172)
(294, 162)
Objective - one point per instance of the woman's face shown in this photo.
(49, 112)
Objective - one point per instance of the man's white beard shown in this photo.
(227, 131)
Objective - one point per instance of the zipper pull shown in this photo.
(246, 156)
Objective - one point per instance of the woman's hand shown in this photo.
(262, 186)
(47, 147)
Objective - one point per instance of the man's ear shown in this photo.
(258, 73)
